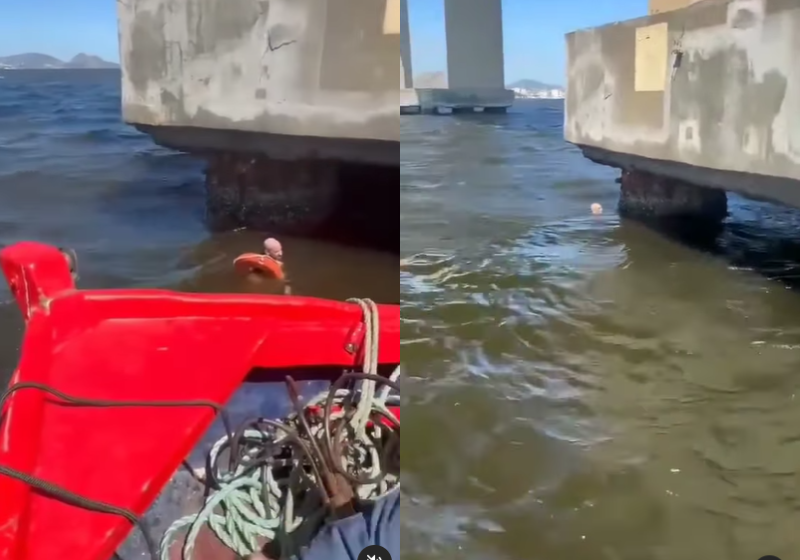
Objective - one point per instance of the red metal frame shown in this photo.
(131, 345)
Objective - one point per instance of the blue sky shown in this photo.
(61, 28)
(534, 30)
(533, 33)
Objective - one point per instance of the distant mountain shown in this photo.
(533, 85)
(433, 80)
(37, 61)
(89, 61)
(29, 60)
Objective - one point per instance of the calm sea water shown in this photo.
(581, 387)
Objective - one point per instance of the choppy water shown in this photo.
(72, 174)
(582, 387)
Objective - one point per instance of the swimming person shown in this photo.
(273, 249)
(267, 265)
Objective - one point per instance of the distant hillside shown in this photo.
(532, 85)
(37, 61)
(90, 61)
(439, 80)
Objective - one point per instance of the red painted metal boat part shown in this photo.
(150, 345)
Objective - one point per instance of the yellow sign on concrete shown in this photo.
(391, 21)
(652, 55)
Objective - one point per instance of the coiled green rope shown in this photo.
(272, 492)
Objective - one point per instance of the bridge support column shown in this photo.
(255, 191)
(406, 68)
(304, 197)
(475, 62)
(656, 198)
(474, 44)
(409, 101)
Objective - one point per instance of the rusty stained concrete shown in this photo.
(728, 115)
(300, 78)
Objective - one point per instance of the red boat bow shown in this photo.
(148, 345)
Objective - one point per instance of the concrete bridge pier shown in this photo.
(698, 98)
(475, 61)
(664, 201)
(292, 104)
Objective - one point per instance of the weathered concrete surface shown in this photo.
(351, 203)
(406, 66)
(269, 194)
(656, 198)
(310, 69)
(474, 44)
(409, 102)
(713, 97)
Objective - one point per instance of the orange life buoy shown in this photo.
(254, 262)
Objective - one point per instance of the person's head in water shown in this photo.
(273, 248)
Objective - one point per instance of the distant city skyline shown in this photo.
(533, 31)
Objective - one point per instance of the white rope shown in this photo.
(279, 502)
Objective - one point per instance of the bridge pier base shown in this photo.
(244, 190)
(653, 198)
(354, 203)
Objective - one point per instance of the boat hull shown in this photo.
(146, 345)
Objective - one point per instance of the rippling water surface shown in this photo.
(583, 387)
(579, 387)
(72, 174)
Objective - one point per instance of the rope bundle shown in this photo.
(264, 482)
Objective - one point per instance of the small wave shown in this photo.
(427, 259)
(12, 108)
(104, 135)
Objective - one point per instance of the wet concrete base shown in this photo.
(353, 203)
(268, 194)
(670, 204)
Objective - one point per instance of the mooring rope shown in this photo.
(272, 489)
